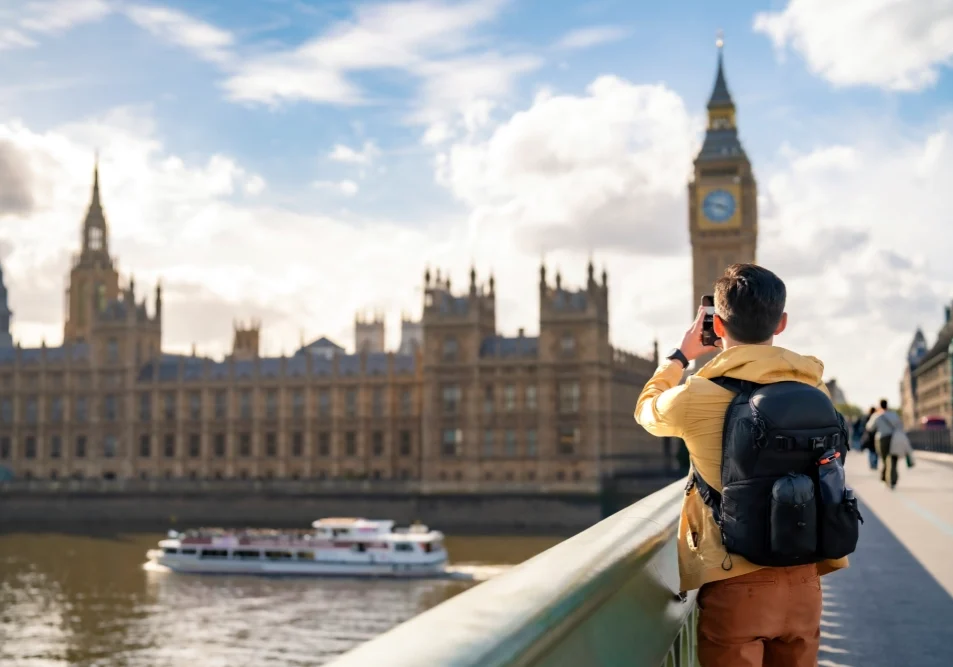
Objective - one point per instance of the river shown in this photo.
(86, 600)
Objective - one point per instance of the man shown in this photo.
(750, 616)
(886, 426)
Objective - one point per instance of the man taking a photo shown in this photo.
(764, 613)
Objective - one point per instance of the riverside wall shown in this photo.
(158, 506)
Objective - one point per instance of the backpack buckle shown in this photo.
(785, 442)
(819, 442)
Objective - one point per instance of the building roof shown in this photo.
(321, 344)
(720, 97)
(34, 355)
(721, 144)
(166, 369)
(503, 347)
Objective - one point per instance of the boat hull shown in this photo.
(193, 565)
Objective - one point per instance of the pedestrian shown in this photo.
(867, 438)
(766, 511)
(891, 442)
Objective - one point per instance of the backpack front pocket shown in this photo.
(793, 520)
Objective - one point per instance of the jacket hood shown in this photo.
(764, 364)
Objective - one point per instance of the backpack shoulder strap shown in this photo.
(740, 387)
(708, 495)
(742, 390)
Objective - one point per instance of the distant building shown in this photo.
(458, 403)
(926, 386)
(908, 385)
(837, 394)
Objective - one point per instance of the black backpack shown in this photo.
(784, 501)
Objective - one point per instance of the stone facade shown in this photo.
(461, 407)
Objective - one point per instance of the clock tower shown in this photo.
(722, 196)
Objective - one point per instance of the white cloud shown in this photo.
(346, 187)
(26, 20)
(365, 156)
(205, 40)
(860, 233)
(891, 44)
(584, 38)
(255, 185)
(602, 171)
(52, 16)
(434, 41)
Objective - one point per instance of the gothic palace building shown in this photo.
(458, 403)
(457, 406)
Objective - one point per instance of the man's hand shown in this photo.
(691, 345)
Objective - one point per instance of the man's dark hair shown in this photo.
(883, 403)
(749, 299)
(872, 411)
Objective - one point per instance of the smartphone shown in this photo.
(708, 324)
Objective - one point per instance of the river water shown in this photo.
(86, 600)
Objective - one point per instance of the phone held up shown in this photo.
(708, 324)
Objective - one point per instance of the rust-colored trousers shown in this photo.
(767, 618)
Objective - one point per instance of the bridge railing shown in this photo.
(931, 440)
(607, 597)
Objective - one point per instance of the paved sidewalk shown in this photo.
(893, 606)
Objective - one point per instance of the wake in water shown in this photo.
(462, 572)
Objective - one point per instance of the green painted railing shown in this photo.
(607, 597)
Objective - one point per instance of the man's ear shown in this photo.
(719, 326)
(782, 325)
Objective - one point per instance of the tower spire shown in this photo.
(95, 231)
(720, 97)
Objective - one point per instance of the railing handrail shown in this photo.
(518, 617)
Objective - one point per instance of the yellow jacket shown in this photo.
(695, 412)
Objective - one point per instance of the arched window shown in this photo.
(95, 238)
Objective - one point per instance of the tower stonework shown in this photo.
(94, 281)
(369, 333)
(722, 196)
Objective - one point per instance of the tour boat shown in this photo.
(336, 547)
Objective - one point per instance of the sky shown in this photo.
(299, 161)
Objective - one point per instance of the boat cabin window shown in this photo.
(305, 555)
(359, 547)
(403, 546)
(278, 555)
(214, 553)
(188, 552)
(247, 554)
(339, 531)
(427, 546)
(170, 550)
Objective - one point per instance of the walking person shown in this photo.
(891, 442)
(758, 527)
(866, 438)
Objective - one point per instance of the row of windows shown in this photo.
(402, 473)
(567, 442)
(510, 476)
(168, 446)
(244, 406)
(569, 398)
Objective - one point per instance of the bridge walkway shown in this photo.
(894, 605)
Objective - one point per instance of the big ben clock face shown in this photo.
(719, 206)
